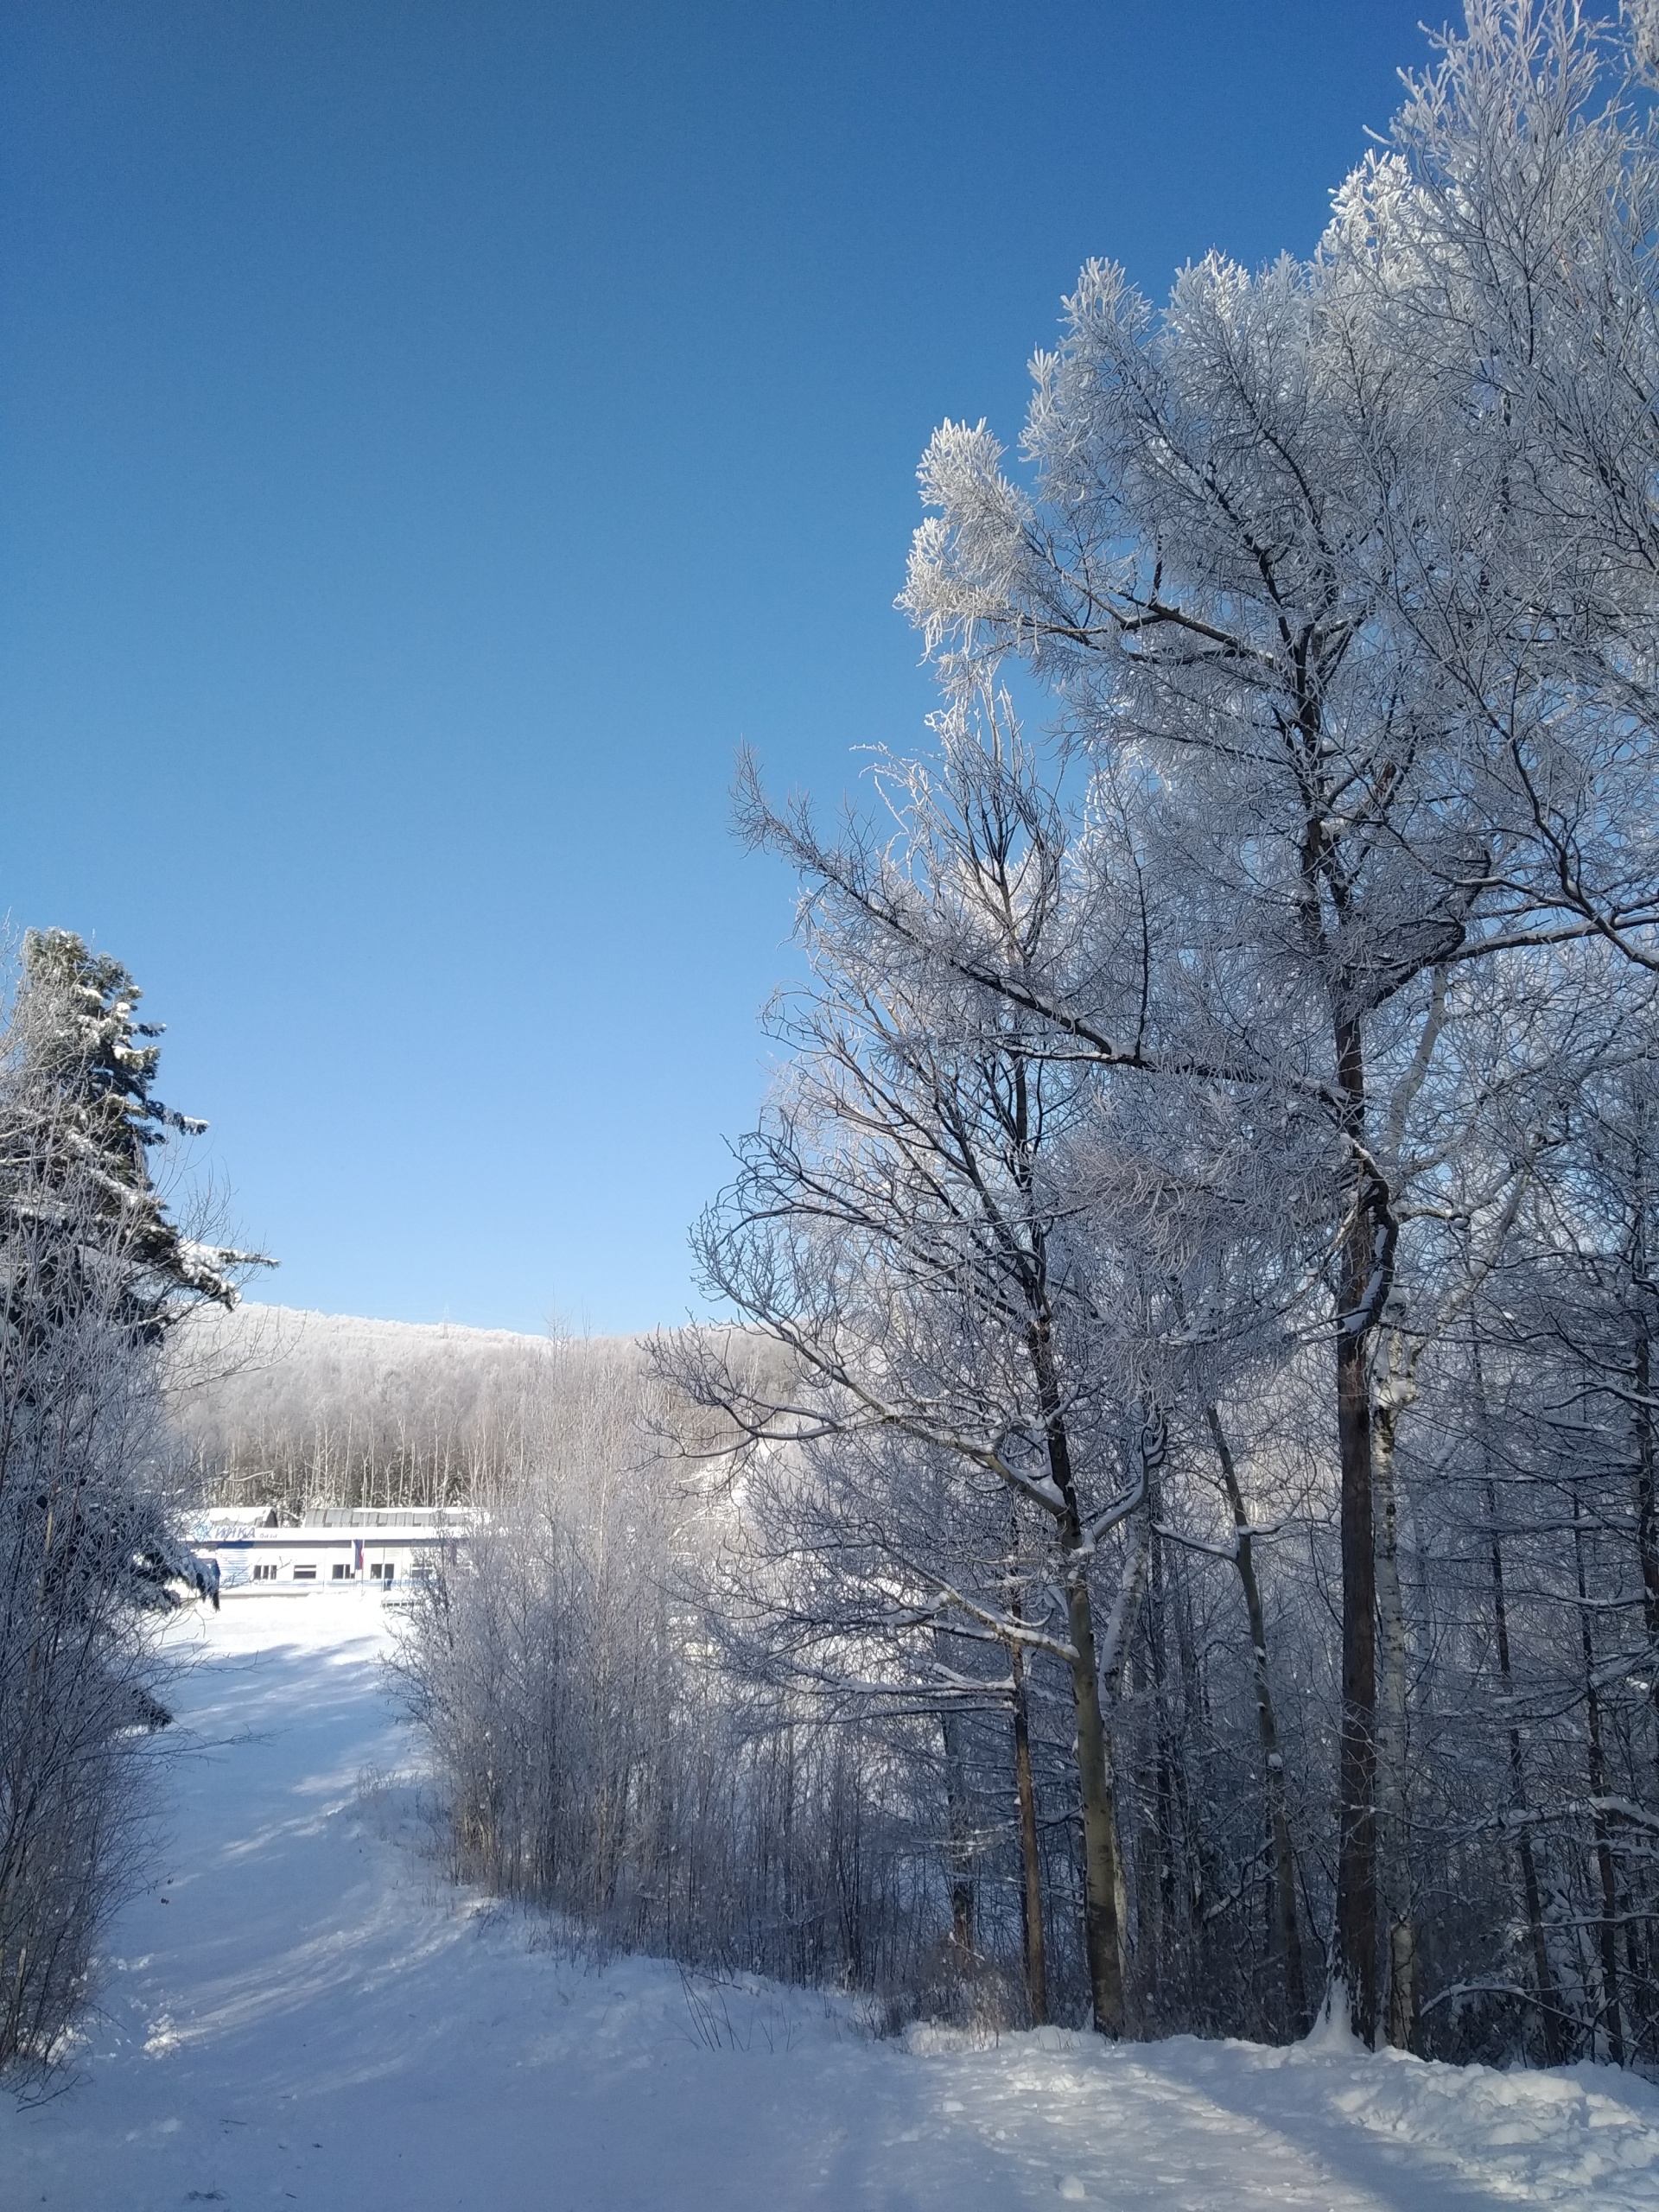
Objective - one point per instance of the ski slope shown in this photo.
(301, 2011)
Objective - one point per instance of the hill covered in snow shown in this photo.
(272, 1404)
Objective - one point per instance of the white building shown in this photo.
(334, 1547)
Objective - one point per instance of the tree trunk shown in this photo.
(1288, 1938)
(1103, 1933)
(1160, 1940)
(1647, 1512)
(1196, 1716)
(1549, 2000)
(1394, 1831)
(1647, 1517)
(959, 1850)
(1607, 1927)
(1103, 1927)
(1031, 1893)
(1356, 1960)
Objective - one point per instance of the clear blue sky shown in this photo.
(433, 433)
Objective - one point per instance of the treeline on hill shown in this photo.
(93, 1274)
(273, 1407)
(1194, 1548)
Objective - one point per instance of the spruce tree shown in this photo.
(95, 1064)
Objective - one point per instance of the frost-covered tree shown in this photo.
(94, 1066)
(593, 1753)
(1378, 748)
(92, 1271)
(963, 1246)
(1498, 265)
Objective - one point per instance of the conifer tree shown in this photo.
(95, 1067)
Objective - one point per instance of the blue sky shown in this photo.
(434, 435)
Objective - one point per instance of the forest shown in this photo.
(1189, 1555)
(1160, 1531)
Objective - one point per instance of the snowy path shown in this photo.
(302, 2012)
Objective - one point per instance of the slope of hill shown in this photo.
(270, 1403)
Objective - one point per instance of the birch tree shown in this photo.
(901, 1228)
(1232, 559)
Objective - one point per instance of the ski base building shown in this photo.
(334, 1547)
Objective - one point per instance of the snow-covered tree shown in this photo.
(94, 1065)
(1388, 732)
(964, 1249)
(92, 1271)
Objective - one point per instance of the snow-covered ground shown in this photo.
(302, 2011)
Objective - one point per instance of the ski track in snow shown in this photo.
(303, 2012)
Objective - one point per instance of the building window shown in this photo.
(305, 1574)
(342, 1573)
(266, 1573)
(380, 1571)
